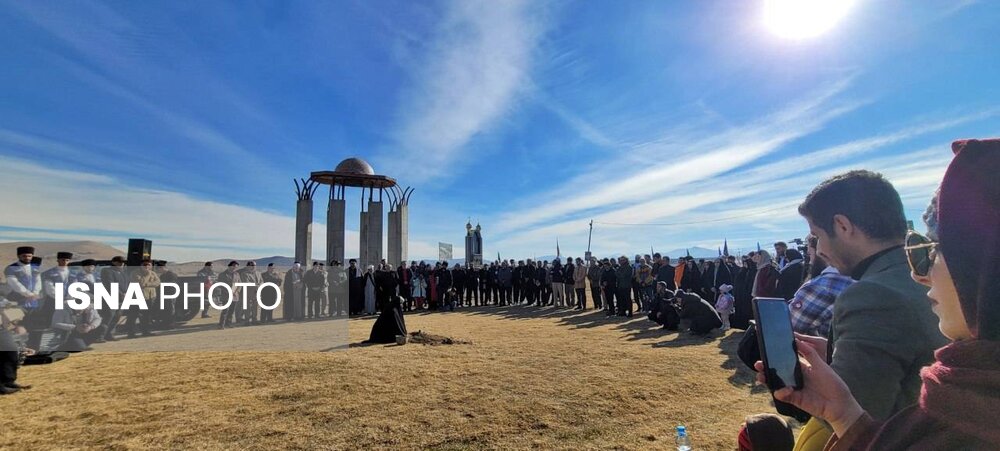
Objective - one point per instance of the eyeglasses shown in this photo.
(920, 253)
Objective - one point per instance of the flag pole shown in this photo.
(590, 235)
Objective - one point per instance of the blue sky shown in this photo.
(186, 122)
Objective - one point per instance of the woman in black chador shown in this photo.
(389, 323)
(703, 316)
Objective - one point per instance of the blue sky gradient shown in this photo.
(188, 121)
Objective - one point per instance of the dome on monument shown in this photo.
(355, 166)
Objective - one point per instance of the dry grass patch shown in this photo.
(546, 379)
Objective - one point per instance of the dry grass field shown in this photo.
(531, 378)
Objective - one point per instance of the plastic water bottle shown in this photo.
(683, 442)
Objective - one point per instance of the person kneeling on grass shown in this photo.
(662, 310)
(703, 316)
(390, 323)
(960, 390)
(450, 300)
(82, 327)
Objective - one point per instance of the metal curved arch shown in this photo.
(393, 200)
(406, 195)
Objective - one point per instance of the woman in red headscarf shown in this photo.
(960, 262)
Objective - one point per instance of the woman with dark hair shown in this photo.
(766, 432)
(691, 276)
(790, 276)
(958, 261)
(707, 282)
(741, 291)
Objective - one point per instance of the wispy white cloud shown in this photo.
(74, 205)
(670, 164)
(583, 127)
(473, 71)
(208, 137)
(78, 205)
(751, 205)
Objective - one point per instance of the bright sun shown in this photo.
(801, 19)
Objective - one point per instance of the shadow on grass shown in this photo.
(187, 328)
(742, 375)
(636, 328)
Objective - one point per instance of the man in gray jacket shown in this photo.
(883, 330)
(249, 274)
(230, 277)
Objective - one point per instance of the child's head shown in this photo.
(766, 431)
(726, 288)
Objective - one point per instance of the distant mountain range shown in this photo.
(696, 252)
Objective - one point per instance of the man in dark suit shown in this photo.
(355, 288)
(609, 285)
(444, 279)
(543, 289)
(515, 281)
(529, 291)
(461, 280)
(665, 273)
(883, 330)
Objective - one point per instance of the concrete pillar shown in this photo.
(404, 232)
(335, 226)
(303, 231)
(363, 260)
(393, 250)
(398, 248)
(374, 232)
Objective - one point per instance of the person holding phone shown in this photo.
(960, 391)
(883, 330)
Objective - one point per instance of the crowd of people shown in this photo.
(617, 286)
(911, 357)
(885, 367)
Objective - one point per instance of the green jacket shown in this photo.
(883, 333)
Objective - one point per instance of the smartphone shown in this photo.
(777, 349)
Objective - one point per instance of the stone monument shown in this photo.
(353, 172)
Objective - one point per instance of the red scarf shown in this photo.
(744, 440)
(962, 388)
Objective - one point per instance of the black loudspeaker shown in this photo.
(139, 250)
